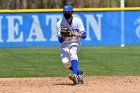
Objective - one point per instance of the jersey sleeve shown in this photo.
(58, 29)
(81, 28)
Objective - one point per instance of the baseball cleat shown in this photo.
(80, 78)
(74, 78)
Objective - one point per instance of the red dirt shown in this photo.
(99, 84)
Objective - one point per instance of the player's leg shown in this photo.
(74, 47)
(74, 58)
(64, 54)
(78, 77)
(79, 72)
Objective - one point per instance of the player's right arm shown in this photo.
(61, 39)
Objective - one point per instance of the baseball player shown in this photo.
(69, 31)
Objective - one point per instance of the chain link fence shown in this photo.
(42, 4)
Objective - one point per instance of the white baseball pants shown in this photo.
(68, 52)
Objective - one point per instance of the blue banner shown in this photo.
(39, 29)
(132, 27)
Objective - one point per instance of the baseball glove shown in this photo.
(66, 32)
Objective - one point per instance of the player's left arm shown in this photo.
(82, 32)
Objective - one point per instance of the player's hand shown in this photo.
(66, 32)
(76, 34)
(64, 37)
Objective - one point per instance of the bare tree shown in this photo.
(40, 4)
(24, 3)
(19, 4)
(11, 4)
(1, 4)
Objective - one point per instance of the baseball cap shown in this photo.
(67, 8)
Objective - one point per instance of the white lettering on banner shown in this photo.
(91, 21)
(36, 31)
(138, 27)
(15, 23)
(54, 19)
(77, 16)
(14, 35)
(1, 29)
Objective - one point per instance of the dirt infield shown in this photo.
(99, 84)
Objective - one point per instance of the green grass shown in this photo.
(45, 61)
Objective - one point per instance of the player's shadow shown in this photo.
(62, 84)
